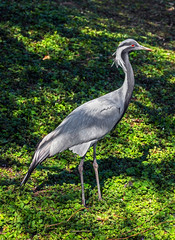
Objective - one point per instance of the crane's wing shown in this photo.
(80, 129)
(89, 122)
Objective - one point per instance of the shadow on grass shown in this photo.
(92, 30)
(34, 17)
(24, 72)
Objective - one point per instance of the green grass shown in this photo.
(136, 160)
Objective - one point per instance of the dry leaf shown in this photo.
(46, 57)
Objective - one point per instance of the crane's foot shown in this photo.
(84, 204)
(101, 200)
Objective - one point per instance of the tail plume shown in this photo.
(33, 165)
(41, 153)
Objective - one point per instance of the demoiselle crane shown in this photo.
(91, 121)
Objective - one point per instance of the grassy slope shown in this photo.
(136, 161)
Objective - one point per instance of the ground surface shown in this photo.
(56, 55)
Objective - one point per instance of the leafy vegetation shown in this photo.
(56, 55)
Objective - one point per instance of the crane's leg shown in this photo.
(95, 165)
(80, 169)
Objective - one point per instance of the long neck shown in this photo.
(129, 82)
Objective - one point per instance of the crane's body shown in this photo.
(86, 125)
(90, 122)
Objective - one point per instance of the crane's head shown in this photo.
(127, 46)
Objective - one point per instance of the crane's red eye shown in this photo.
(132, 45)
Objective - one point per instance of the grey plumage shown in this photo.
(90, 122)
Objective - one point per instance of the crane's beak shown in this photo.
(144, 48)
